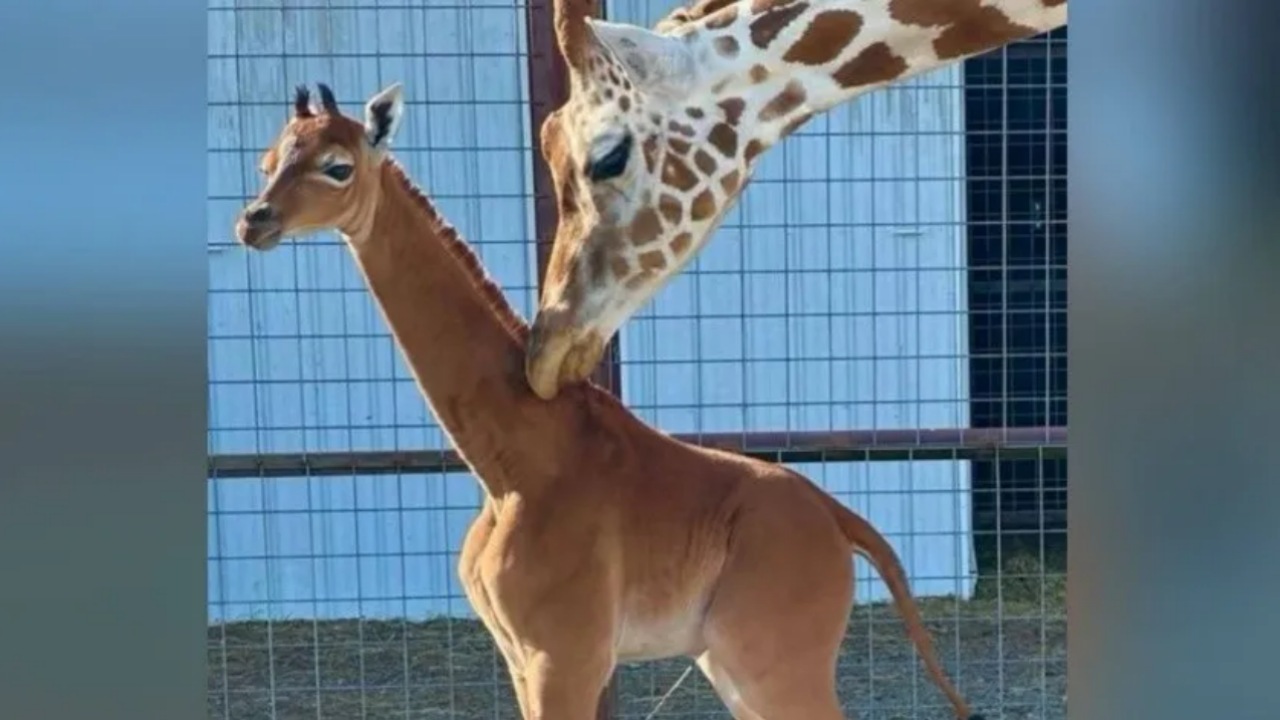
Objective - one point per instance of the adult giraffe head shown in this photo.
(664, 127)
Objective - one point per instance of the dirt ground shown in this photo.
(1010, 641)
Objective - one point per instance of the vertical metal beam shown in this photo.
(548, 90)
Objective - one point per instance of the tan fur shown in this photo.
(600, 539)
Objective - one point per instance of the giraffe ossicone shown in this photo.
(660, 63)
(663, 129)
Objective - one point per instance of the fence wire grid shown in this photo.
(884, 311)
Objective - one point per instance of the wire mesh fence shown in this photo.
(884, 312)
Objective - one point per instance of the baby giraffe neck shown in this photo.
(461, 341)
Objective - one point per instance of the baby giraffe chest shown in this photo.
(661, 617)
(649, 635)
(516, 600)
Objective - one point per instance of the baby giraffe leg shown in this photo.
(724, 688)
(774, 627)
(814, 700)
(565, 688)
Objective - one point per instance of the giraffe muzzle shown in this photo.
(549, 344)
(259, 227)
(559, 353)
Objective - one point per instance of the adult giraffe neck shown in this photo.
(812, 55)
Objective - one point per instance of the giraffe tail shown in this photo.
(868, 542)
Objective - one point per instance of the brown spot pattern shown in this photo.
(652, 260)
(697, 11)
(679, 146)
(761, 6)
(773, 17)
(681, 243)
(754, 148)
(929, 13)
(619, 266)
(724, 139)
(678, 175)
(981, 30)
(729, 183)
(677, 127)
(624, 103)
(970, 27)
(727, 46)
(704, 206)
(646, 227)
(758, 74)
(672, 209)
(695, 113)
(651, 153)
(784, 102)
(732, 108)
(876, 63)
(705, 162)
(825, 37)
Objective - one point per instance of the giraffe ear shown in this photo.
(382, 117)
(655, 62)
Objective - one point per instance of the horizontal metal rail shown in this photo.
(787, 447)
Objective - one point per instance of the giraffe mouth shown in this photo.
(559, 354)
(259, 236)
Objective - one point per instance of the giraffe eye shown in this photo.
(613, 163)
(339, 172)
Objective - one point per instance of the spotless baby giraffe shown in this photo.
(600, 539)
(663, 129)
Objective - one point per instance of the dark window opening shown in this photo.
(1016, 157)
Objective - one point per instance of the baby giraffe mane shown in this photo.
(465, 256)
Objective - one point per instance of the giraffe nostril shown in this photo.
(259, 213)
